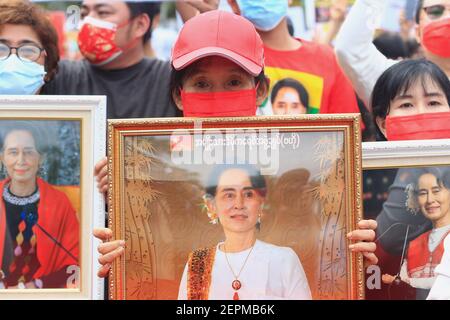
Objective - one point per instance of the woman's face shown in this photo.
(17, 35)
(288, 102)
(20, 157)
(421, 98)
(237, 203)
(433, 199)
(425, 19)
(217, 74)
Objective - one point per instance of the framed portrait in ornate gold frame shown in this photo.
(405, 185)
(181, 189)
(49, 201)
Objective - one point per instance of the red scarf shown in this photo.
(422, 262)
(56, 216)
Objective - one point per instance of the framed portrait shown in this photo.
(406, 189)
(50, 203)
(235, 208)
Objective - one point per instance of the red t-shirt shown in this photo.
(316, 68)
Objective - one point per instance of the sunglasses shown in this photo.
(436, 11)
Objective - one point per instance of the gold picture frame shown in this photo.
(69, 134)
(157, 174)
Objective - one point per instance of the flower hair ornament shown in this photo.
(411, 200)
(213, 217)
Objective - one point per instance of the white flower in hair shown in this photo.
(411, 201)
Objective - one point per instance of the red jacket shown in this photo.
(56, 216)
(422, 262)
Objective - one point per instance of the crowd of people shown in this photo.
(231, 64)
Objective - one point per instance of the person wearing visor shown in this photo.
(364, 64)
(28, 48)
(112, 38)
(314, 65)
(218, 74)
(225, 63)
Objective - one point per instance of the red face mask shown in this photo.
(418, 127)
(240, 103)
(436, 38)
(96, 40)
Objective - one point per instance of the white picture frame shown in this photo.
(90, 111)
(392, 154)
(390, 169)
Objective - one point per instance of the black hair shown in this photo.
(290, 26)
(412, 47)
(419, 10)
(294, 84)
(256, 179)
(400, 77)
(177, 77)
(391, 45)
(151, 9)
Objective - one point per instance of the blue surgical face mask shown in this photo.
(20, 78)
(264, 14)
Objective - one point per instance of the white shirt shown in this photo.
(359, 58)
(271, 272)
(436, 237)
(441, 287)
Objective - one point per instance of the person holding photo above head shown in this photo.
(241, 267)
(220, 74)
(28, 48)
(39, 229)
(429, 195)
(364, 64)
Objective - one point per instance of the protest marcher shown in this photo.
(28, 48)
(112, 40)
(220, 65)
(314, 65)
(410, 101)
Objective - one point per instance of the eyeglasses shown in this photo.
(26, 52)
(436, 11)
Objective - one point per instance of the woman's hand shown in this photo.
(364, 238)
(101, 175)
(109, 250)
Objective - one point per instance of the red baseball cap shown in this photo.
(219, 33)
